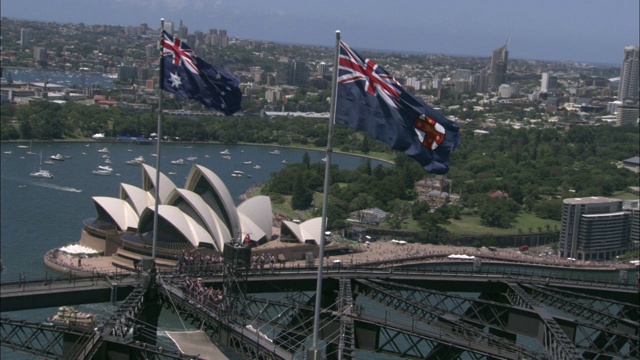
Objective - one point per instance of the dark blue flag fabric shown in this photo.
(183, 73)
(369, 99)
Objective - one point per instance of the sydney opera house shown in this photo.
(201, 216)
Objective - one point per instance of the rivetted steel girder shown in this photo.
(47, 341)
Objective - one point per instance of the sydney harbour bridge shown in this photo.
(366, 312)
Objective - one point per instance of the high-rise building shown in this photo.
(183, 31)
(40, 53)
(297, 73)
(627, 113)
(548, 83)
(25, 39)
(462, 74)
(628, 88)
(594, 228)
(224, 39)
(168, 27)
(498, 67)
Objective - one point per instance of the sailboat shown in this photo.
(30, 152)
(41, 173)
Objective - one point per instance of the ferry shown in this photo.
(68, 315)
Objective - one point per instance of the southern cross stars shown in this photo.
(175, 80)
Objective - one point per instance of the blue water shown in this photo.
(41, 214)
(63, 78)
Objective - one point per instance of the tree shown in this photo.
(419, 208)
(301, 196)
(497, 212)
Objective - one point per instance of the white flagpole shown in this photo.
(158, 140)
(313, 353)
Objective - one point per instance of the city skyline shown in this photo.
(570, 30)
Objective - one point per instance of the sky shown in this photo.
(592, 31)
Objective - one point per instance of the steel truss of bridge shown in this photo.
(401, 314)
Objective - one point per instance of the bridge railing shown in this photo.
(24, 280)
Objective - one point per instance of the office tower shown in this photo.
(224, 40)
(462, 74)
(627, 113)
(480, 82)
(498, 67)
(40, 53)
(548, 83)
(297, 73)
(25, 39)
(323, 68)
(168, 27)
(183, 31)
(594, 228)
(628, 88)
(213, 38)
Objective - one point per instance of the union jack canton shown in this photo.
(371, 100)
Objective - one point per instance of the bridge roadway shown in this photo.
(66, 290)
(418, 319)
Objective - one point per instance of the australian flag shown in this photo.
(183, 73)
(369, 99)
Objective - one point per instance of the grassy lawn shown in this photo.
(625, 195)
(470, 225)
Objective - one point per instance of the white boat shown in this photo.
(172, 172)
(256, 166)
(105, 156)
(228, 157)
(192, 158)
(225, 152)
(45, 174)
(237, 173)
(8, 152)
(247, 162)
(22, 146)
(178, 162)
(108, 161)
(136, 161)
(41, 173)
(275, 152)
(98, 136)
(69, 316)
(102, 172)
(104, 150)
(57, 157)
(285, 161)
(106, 168)
(30, 152)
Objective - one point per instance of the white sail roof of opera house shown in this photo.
(138, 198)
(149, 182)
(193, 205)
(212, 190)
(117, 210)
(256, 215)
(307, 231)
(188, 228)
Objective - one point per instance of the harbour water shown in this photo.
(42, 214)
(64, 78)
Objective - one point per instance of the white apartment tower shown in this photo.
(628, 88)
